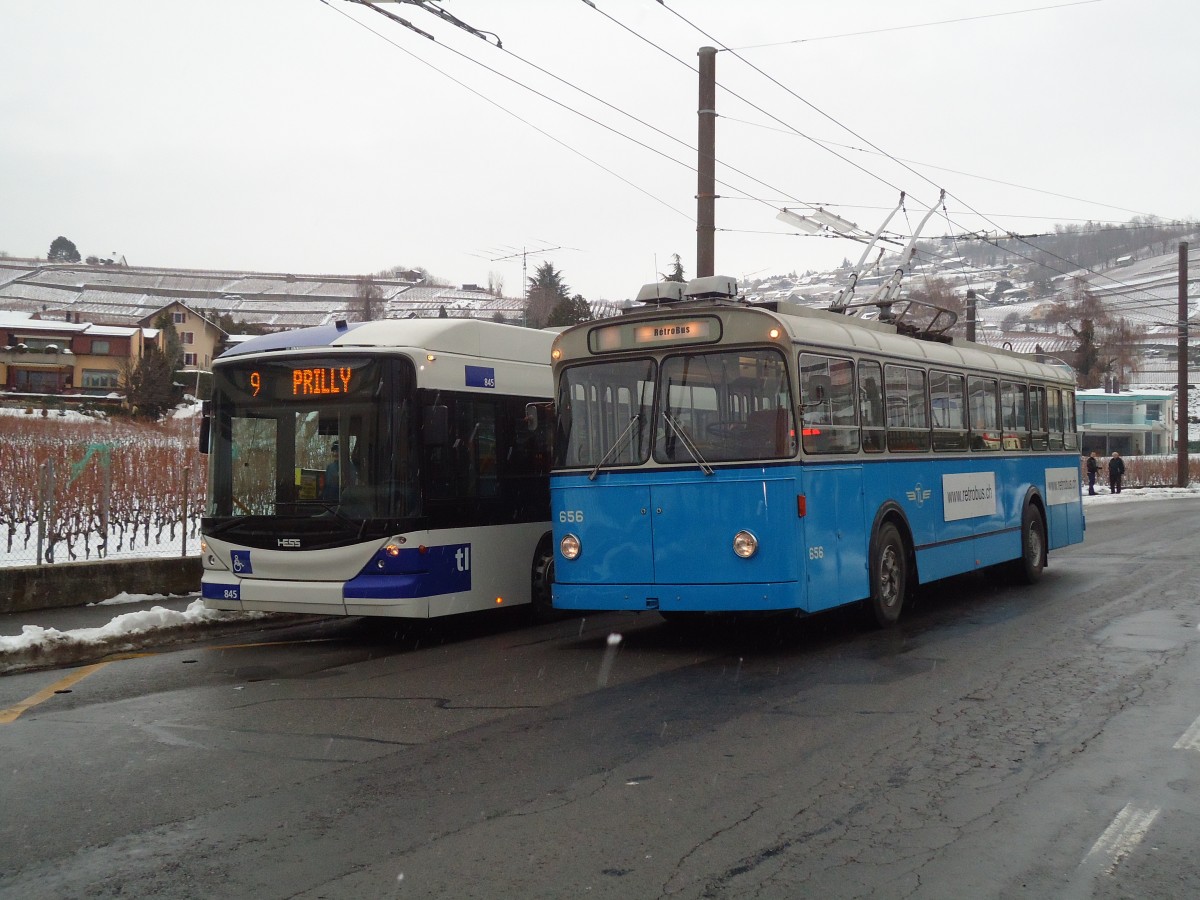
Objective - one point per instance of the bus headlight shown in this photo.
(745, 544)
(569, 546)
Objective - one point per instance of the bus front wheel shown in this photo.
(1028, 569)
(542, 580)
(889, 577)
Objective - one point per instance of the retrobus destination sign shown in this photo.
(630, 335)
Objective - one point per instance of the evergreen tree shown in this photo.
(546, 290)
(63, 250)
(676, 271)
(172, 346)
(570, 312)
(149, 388)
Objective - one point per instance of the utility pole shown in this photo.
(971, 314)
(1181, 413)
(706, 165)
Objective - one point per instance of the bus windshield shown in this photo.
(313, 436)
(729, 404)
(716, 406)
(604, 414)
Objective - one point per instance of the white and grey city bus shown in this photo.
(383, 468)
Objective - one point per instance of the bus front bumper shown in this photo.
(679, 597)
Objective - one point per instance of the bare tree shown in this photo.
(367, 296)
(1108, 344)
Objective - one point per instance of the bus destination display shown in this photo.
(696, 330)
(308, 381)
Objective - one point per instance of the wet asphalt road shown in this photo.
(1003, 742)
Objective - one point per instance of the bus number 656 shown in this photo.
(570, 515)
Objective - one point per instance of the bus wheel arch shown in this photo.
(892, 570)
(1028, 567)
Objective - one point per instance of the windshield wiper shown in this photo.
(687, 443)
(617, 443)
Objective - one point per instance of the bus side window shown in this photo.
(1040, 439)
(947, 396)
(907, 402)
(1070, 433)
(871, 407)
(1056, 419)
(985, 418)
(1014, 409)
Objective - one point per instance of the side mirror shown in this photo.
(538, 415)
(435, 426)
(820, 387)
(205, 425)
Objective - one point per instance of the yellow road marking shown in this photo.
(268, 644)
(8, 716)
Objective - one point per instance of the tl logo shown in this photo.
(919, 495)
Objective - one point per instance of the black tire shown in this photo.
(541, 581)
(1028, 569)
(889, 577)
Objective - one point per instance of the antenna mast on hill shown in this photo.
(524, 253)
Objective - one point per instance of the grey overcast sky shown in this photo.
(316, 136)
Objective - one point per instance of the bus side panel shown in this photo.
(943, 546)
(1064, 505)
(832, 549)
(694, 525)
(613, 524)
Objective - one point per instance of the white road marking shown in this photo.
(1190, 739)
(1121, 837)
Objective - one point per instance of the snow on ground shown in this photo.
(35, 640)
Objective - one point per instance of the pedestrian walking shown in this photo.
(1093, 467)
(1116, 471)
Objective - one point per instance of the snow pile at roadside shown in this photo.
(33, 636)
(35, 642)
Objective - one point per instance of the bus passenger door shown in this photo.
(834, 544)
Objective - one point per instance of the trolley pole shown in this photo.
(706, 165)
(1181, 413)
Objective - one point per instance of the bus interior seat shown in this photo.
(769, 428)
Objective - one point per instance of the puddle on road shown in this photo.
(1159, 630)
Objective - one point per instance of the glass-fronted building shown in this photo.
(1132, 423)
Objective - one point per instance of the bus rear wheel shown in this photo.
(889, 577)
(1028, 569)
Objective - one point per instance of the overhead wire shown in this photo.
(499, 106)
(947, 169)
(874, 146)
(829, 37)
(621, 134)
(671, 137)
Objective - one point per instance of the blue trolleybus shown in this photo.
(711, 455)
(379, 469)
